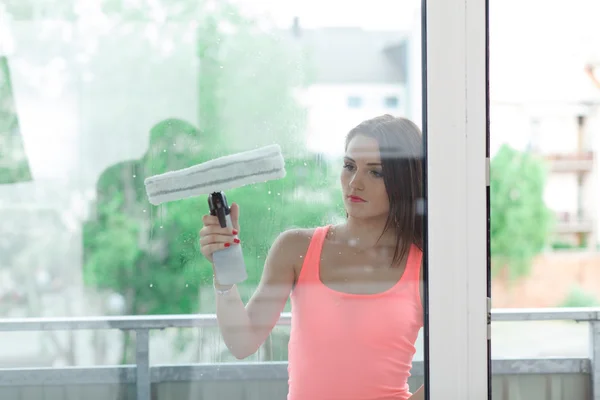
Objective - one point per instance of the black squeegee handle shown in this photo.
(217, 203)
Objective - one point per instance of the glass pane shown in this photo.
(545, 117)
(98, 97)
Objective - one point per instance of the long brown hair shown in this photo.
(401, 151)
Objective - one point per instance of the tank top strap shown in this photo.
(413, 272)
(312, 259)
(413, 264)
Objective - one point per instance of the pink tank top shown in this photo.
(352, 346)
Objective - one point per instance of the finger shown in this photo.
(216, 239)
(212, 248)
(235, 216)
(215, 230)
(210, 220)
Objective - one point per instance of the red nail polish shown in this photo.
(227, 244)
(235, 232)
(236, 240)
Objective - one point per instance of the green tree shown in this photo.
(14, 166)
(578, 297)
(150, 254)
(521, 223)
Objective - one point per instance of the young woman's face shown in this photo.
(363, 188)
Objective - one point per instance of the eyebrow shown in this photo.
(350, 159)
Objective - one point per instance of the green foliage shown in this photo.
(246, 82)
(521, 222)
(129, 248)
(561, 245)
(578, 297)
(150, 254)
(14, 166)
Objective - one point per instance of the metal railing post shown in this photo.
(142, 361)
(595, 356)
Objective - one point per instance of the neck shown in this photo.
(365, 233)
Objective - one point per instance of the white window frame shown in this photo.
(455, 120)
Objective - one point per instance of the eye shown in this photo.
(349, 166)
(377, 174)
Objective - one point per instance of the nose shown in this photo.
(356, 182)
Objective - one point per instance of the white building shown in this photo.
(357, 74)
(566, 136)
(542, 100)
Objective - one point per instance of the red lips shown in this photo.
(356, 199)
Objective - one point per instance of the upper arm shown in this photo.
(278, 277)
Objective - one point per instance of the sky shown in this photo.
(538, 49)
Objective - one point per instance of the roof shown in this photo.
(354, 55)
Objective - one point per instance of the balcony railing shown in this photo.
(571, 162)
(531, 379)
(567, 223)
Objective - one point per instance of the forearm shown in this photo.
(419, 394)
(235, 325)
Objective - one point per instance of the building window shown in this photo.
(391, 102)
(354, 102)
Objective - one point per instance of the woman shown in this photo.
(355, 287)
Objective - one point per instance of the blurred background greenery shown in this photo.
(246, 88)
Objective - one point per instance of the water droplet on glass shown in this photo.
(165, 150)
(186, 285)
(305, 164)
(269, 192)
(278, 194)
(220, 66)
(151, 285)
(161, 227)
(269, 209)
(134, 176)
(144, 210)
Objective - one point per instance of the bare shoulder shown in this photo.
(289, 250)
(294, 242)
(296, 236)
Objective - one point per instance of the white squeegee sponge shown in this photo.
(223, 173)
